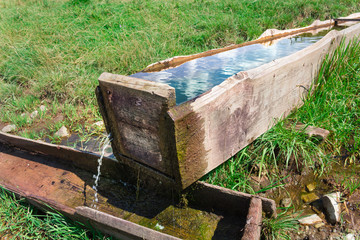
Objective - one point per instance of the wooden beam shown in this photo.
(119, 227)
(212, 197)
(252, 229)
(123, 168)
(215, 126)
(135, 113)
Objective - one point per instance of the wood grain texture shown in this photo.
(119, 227)
(215, 126)
(68, 190)
(268, 36)
(252, 229)
(211, 197)
(123, 169)
(135, 113)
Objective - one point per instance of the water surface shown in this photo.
(200, 75)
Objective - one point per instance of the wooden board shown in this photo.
(118, 209)
(215, 126)
(267, 37)
(214, 197)
(122, 169)
(187, 141)
(134, 111)
(253, 220)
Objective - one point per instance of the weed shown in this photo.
(20, 220)
(350, 184)
(277, 228)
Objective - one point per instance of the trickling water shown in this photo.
(200, 75)
(97, 177)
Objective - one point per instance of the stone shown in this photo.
(309, 197)
(62, 132)
(350, 236)
(43, 108)
(310, 187)
(9, 128)
(285, 202)
(323, 235)
(319, 225)
(335, 236)
(310, 220)
(159, 227)
(99, 123)
(317, 132)
(34, 114)
(331, 204)
(23, 115)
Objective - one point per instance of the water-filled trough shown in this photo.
(227, 105)
(199, 75)
(162, 148)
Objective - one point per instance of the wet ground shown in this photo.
(343, 179)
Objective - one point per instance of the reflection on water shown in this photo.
(200, 75)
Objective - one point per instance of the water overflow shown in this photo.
(97, 177)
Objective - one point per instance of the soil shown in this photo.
(337, 180)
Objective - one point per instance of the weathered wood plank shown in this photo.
(215, 126)
(68, 190)
(209, 197)
(252, 229)
(119, 227)
(136, 115)
(123, 169)
(268, 36)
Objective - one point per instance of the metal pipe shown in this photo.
(336, 20)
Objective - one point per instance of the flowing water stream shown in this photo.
(200, 75)
(97, 176)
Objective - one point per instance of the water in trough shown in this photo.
(200, 75)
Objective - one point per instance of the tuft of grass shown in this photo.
(19, 220)
(350, 184)
(278, 228)
(335, 104)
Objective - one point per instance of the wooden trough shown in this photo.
(161, 149)
(61, 178)
(181, 143)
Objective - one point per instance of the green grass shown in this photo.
(19, 220)
(53, 51)
(277, 228)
